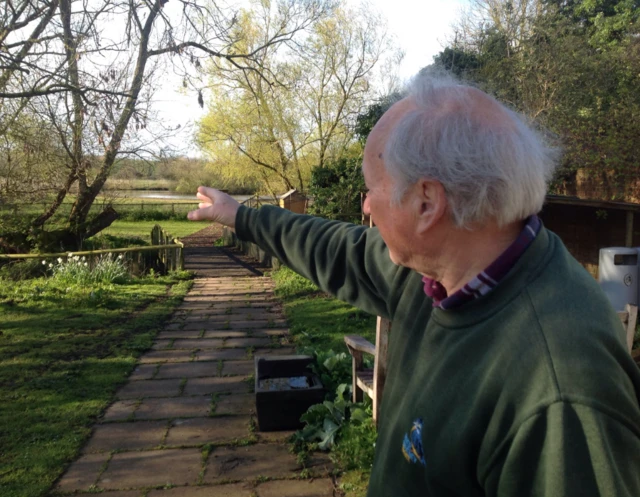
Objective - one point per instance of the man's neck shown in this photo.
(464, 254)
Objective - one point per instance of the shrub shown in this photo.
(22, 270)
(336, 190)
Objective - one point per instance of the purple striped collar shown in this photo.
(488, 279)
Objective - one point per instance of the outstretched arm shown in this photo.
(351, 262)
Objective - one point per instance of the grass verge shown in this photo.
(63, 353)
(142, 229)
(319, 322)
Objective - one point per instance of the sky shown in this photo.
(421, 29)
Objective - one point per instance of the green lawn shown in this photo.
(63, 353)
(142, 229)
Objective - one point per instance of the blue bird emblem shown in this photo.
(412, 444)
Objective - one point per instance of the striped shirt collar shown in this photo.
(488, 279)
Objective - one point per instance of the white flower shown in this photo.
(86, 264)
(59, 260)
(44, 263)
(120, 256)
(84, 258)
(50, 265)
(70, 254)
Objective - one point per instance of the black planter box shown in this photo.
(280, 410)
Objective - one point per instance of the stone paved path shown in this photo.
(183, 426)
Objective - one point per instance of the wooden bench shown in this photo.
(367, 380)
(371, 381)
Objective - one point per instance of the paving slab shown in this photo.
(149, 388)
(143, 372)
(251, 462)
(152, 468)
(200, 431)
(232, 490)
(126, 436)
(220, 354)
(82, 473)
(166, 356)
(177, 407)
(161, 344)
(120, 410)
(227, 334)
(266, 305)
(238, 367)
(296, 488)
(247, 342)
(236, 403)
(274, 351)
(177, 333)
(269, 332)
(274, 436)
(222, 315)
(207, 386)
(189, 370)
(125, 493)
(198, 343)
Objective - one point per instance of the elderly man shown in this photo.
(508, 373)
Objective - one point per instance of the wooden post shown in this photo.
(629, 237)
(383, 328)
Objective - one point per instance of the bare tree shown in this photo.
(88, 68)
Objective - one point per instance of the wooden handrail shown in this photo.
(91, 252)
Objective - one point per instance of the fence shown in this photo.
(64, 210)
(169, 254)
(257, 201)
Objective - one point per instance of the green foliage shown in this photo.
(332, 368)
(336, 190)
(291, 285)
(22, 270)
(63, 354)
(356, 447)
(366, 120)
(573, 66)
(325, 422)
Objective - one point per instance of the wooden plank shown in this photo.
(364, 381)
(356, 342)
(632, 320)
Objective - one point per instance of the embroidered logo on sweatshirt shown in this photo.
(412, 444)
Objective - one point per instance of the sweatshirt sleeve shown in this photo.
(345, 260)
(569, 450)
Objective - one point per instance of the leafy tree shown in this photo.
(336, 190)
(279, 133)
(573, 66)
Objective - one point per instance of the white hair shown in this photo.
(492, 165)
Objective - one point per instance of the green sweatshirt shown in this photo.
(526, 391)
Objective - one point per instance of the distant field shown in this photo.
(142, 229)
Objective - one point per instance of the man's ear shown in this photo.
(431, 204)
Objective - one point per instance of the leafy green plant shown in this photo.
(333, 368)
(325, 421)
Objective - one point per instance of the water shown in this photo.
(161, 195)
